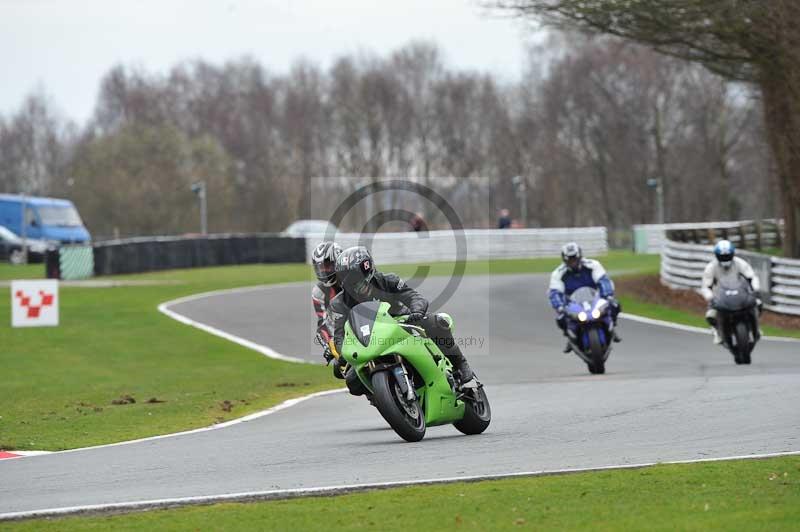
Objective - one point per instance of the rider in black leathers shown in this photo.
(361, 282)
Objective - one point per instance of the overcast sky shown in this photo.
(65, 46)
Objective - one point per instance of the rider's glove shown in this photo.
(415, 317)
(328, 355)
(338, 368)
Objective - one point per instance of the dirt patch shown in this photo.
(648, 289)
(124, 400)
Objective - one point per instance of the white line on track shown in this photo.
(342, 489)
(264, 350)
(689, 328)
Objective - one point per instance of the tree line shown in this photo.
(588, 123)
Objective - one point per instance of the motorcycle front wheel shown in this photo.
(597, 350)
(404, 416)
(742, 332)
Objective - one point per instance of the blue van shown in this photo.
(50, 219)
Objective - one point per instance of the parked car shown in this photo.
(11, 247)
(47, 219)
(302, 228)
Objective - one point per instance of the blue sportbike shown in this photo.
(590, 327)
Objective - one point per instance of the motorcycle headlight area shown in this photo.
(582, 316)
(596, 314)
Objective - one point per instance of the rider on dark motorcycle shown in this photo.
(725, 267)
(577, 272)
(361, 281)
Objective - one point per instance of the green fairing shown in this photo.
(387, 338)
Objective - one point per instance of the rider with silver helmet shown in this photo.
(361, 282)
(323, 259)
(726, 266)
(577, 272)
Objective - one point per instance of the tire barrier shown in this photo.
(146, 254)
(682, 267)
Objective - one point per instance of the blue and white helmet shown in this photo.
(724, 251)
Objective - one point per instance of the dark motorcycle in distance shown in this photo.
(737, 319)
(590, 328)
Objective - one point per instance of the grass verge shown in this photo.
(59, 384)
(731, 495)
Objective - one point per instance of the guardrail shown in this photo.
(785, 287)
(479, 244)
(746, 234)
(134, 255)
(682, 266)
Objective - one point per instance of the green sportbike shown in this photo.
(411, 381)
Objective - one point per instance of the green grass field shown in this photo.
(734, 495)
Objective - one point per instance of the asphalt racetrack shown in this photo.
(667, 395)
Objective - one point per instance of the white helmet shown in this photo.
(324, 262)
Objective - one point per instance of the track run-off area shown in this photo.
(668, 395)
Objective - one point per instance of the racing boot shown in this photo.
(615, 337)
(568, 348)
(460, 364)
(717, 337)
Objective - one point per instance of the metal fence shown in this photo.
(470, 244)
(682, 266)
(746, 234)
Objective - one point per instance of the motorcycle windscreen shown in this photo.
(735, 295)
(362, 320)
(583, 294)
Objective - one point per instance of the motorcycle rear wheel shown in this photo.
(596, 349)
(404, 416)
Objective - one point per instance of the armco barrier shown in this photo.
(145, 254)
(682, 266)
(785, 286)
(746, 234)
(479, 244)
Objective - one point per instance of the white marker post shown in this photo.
(34, 303)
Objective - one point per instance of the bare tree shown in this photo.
(745, 40)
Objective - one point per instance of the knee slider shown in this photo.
(444, 321)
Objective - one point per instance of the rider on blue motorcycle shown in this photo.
(577, 272)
